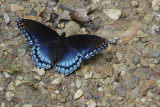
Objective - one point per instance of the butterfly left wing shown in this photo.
(87, 45)
(69, 61)
(44, 55)
(37, 33)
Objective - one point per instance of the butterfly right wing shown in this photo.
(87, 45)
(37, 33)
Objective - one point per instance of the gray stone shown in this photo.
(6, 18)
(21, 52)
(155, 54)
(134, 81)
(122, 90)
(89, 95)
(135, 59)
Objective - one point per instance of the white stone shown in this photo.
(20, 78)
(78, 94)
(113, 13)
(6, 18)
(37, 77)
(56, 81)
(56, 92)
(9, 95)
(1, 88)
(78, 83)
(18, 82)
(6, 75)
(40, 72)
(15, 7)
(88, 75)
(119, 55)
(91, 103)
(156, 5)
(11, 87)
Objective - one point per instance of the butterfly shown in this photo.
(48, 47)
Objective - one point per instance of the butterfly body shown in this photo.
(49, 48)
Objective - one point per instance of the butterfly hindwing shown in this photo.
(36, 32)
(87, 45)
(69, 61)
(44, 55)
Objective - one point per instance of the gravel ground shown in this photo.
(126, 74)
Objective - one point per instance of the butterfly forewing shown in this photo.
(36, 32)
(87, 45)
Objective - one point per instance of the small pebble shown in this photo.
(155, 28)
(119, 55)
(88, 75)
(1, 88)
(135, 59)
(134, 81)
(61, 25)
(134, 3)
(9, 95)
(91, 103)
(78, 94)
(40, 72)
(18, 83)
(112, 41)
(15, 7)
(122, 90)
(56, 81)
(11, 86)
(21, 52)
(89, 95)
(6, 75)
(6, 18)
(113, 13)
(37, 77)
(156, 5)
(63, 100)
(155, 54)
(78, 83)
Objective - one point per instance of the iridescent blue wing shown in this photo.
(69, 61)
(87, 45)
(79, 47)
(43, 41)
(36, 32)
(44, 55)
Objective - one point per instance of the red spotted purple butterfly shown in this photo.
(49, 47)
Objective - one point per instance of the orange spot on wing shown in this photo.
(100, 45)
(103, 43)
(22, 24)
(24, 27)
